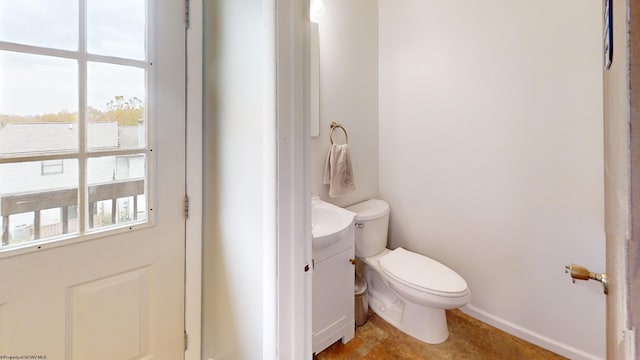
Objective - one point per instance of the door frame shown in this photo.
(194, 191)
(293, 174)
(633, 244)
(622, 198)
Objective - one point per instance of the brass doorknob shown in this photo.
(352, 261)
(581, 273)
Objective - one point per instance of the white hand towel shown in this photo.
(338, 172)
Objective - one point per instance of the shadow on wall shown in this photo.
(348, 48)
(232, 248)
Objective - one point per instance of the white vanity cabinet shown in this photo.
(333, 301)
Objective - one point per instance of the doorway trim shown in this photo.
(633, 244)
(622, 202)
(293, 243)
(194, 183)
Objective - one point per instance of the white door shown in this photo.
(92, 124)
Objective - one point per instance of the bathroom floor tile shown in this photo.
(469, 339)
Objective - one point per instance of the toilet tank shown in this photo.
(372, 224)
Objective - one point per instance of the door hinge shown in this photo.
(186, 341)
(186, 14)
(186, 207)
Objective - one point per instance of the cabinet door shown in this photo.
(333, 281)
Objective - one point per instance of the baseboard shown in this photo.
(528, 335)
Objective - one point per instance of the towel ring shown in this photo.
(334, 125)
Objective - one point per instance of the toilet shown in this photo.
(408, 290)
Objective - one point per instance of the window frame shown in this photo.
(82, 154)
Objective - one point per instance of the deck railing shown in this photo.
(65, 199)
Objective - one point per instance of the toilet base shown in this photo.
(415, 317)
(425, 324)
(418, 314)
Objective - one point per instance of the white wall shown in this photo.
(348, 38)
(491, 155)
(235, 150)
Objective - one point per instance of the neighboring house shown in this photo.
(44, 179)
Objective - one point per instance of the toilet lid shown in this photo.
(370, 209)
(422, 273)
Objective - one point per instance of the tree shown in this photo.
(126, 112)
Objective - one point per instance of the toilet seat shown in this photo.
(422, 273)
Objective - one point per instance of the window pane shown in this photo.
(46, 23)
(116, 28)
(34, 206)
(116, 190)
(38, 104)
(116, 101)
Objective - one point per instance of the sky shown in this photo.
(37, 84)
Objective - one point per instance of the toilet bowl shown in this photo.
(408, 290)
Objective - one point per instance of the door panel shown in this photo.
(118, 304)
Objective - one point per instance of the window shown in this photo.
(52, 167)
(74, 114)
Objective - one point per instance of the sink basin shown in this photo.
(328, 223)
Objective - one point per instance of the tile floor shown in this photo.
(469, 339)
